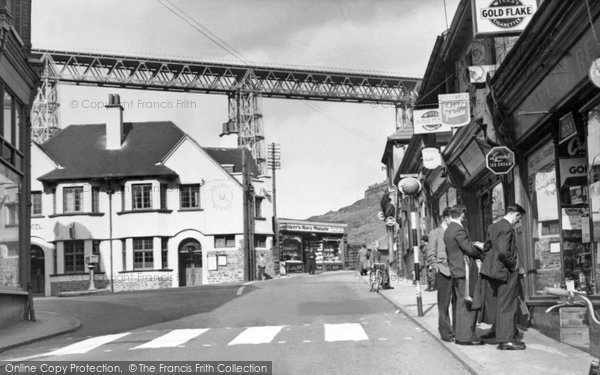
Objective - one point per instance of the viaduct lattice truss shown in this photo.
(244, 84)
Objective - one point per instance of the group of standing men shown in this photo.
(477, 278)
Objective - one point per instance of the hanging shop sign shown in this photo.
(500, 160)
(428, 121)
(478, 74)
(431, 158)
(455, 109)
(594, 72)
(502, 16)
(566, 127)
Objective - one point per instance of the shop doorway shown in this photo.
(190, 262)
(38, 264)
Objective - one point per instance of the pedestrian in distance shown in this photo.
(501, 269)
(462, 256)
(438, 258)
(425, 266)
(312, 262)
(262, 266)
(363, 260)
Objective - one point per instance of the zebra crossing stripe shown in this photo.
(257, 335)
(87, 345)
(344, 332)
(172, 339)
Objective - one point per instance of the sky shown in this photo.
(329, 156)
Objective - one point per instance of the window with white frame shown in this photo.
(164, 252)
(95, 199)
(143, 257)
(72, 199)
(36, 203)
(225, 241)
(189, 196)
(73, 255)
(141, 196)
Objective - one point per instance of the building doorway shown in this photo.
(38, 264)
(190, 262)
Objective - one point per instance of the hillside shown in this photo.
(361, 217)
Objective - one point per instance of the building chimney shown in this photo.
(114, 122)
(229, 136)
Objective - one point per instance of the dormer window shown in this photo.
(73, 199)
(141, 196)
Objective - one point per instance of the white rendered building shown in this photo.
(156, 208)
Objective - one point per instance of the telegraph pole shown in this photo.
(274, 162)
(248, 201)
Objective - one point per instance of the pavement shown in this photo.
(543, 355)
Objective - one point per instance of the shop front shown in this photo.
(300, 237)
(554, 128)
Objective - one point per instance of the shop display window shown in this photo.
(545, 244)
(9, 227)
(291, 250)
(593, 151)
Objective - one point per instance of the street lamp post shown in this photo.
(411, 186)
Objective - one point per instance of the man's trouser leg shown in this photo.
(506, 308)
(465, 317)
(444, 297)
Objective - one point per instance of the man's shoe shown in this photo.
(447, 339)
(511, 345)
(474, 342)
(489, 335)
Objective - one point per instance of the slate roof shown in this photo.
(233, 156)
(81, 151)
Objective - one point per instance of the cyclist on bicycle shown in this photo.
(375, 261)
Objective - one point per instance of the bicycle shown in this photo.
(377, 278)
(575, 298)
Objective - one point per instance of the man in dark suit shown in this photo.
(462, 256)
(438, 258)
(501, 268)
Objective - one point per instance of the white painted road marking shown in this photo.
(345, 332)
(240, 290)
(172, 339)
(87, 345)
(257, 335)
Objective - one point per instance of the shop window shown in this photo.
(593, 149)
(141, 196)
(225, 241)
(143, 253)
(189, 196)
(72, 199)
(7, 105)
(574, 212)
(498, 204)
(36, 203)
(544, 216)
(74, 260)
(291, 249)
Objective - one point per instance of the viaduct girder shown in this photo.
(290, 82)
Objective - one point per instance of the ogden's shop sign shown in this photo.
(502, 16)
(455, 109)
